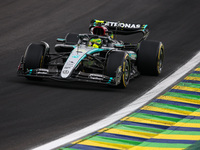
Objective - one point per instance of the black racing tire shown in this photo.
(150, 58)
(34, 58)
(114, 61)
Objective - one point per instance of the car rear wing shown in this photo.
(120, 27)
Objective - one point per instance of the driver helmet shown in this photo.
(102, 31)
(96, 43)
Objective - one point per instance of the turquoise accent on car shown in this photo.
(60, 39)
(119, 45)
(145, 27)
(30, 72)
(133, 55)
(111, 78)
(76, 56)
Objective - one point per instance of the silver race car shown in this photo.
(95, 57)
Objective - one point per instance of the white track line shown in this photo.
(126, 110)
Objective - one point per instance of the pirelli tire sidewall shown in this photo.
(34, 56)
(115, 60)
(150, 57)
(126, 67)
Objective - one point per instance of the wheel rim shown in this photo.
(160, 61)
(126, 71)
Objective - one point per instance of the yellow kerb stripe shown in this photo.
(177, 137)
(178, 99)
(150, 121)
(197, 69)
(192, 125)
(153, 148)
(195, 114)
(131, 133)
(76, 142)
(105, 145)
(186, 88)
(193, 78)
(165, 110)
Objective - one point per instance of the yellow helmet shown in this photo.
(96, 43)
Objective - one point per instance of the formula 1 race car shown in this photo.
(95, 57)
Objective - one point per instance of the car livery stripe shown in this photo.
(91, 52)
(169, 122)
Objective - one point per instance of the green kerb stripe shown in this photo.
(177, 132)
(181, 95)
(114, 140)
(190, 120)
(139, 129)
(193, 85)
(194, 75)
(155, 117)
(164, 145)
(169, 106)
(198, 110)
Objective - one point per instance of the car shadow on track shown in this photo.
(69, 85)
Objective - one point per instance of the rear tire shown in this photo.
(150, 58)
(114, 61)
(34, 58)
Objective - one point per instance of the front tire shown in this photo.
(118, 60)
(34, 58)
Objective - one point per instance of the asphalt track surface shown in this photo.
(33, 113)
